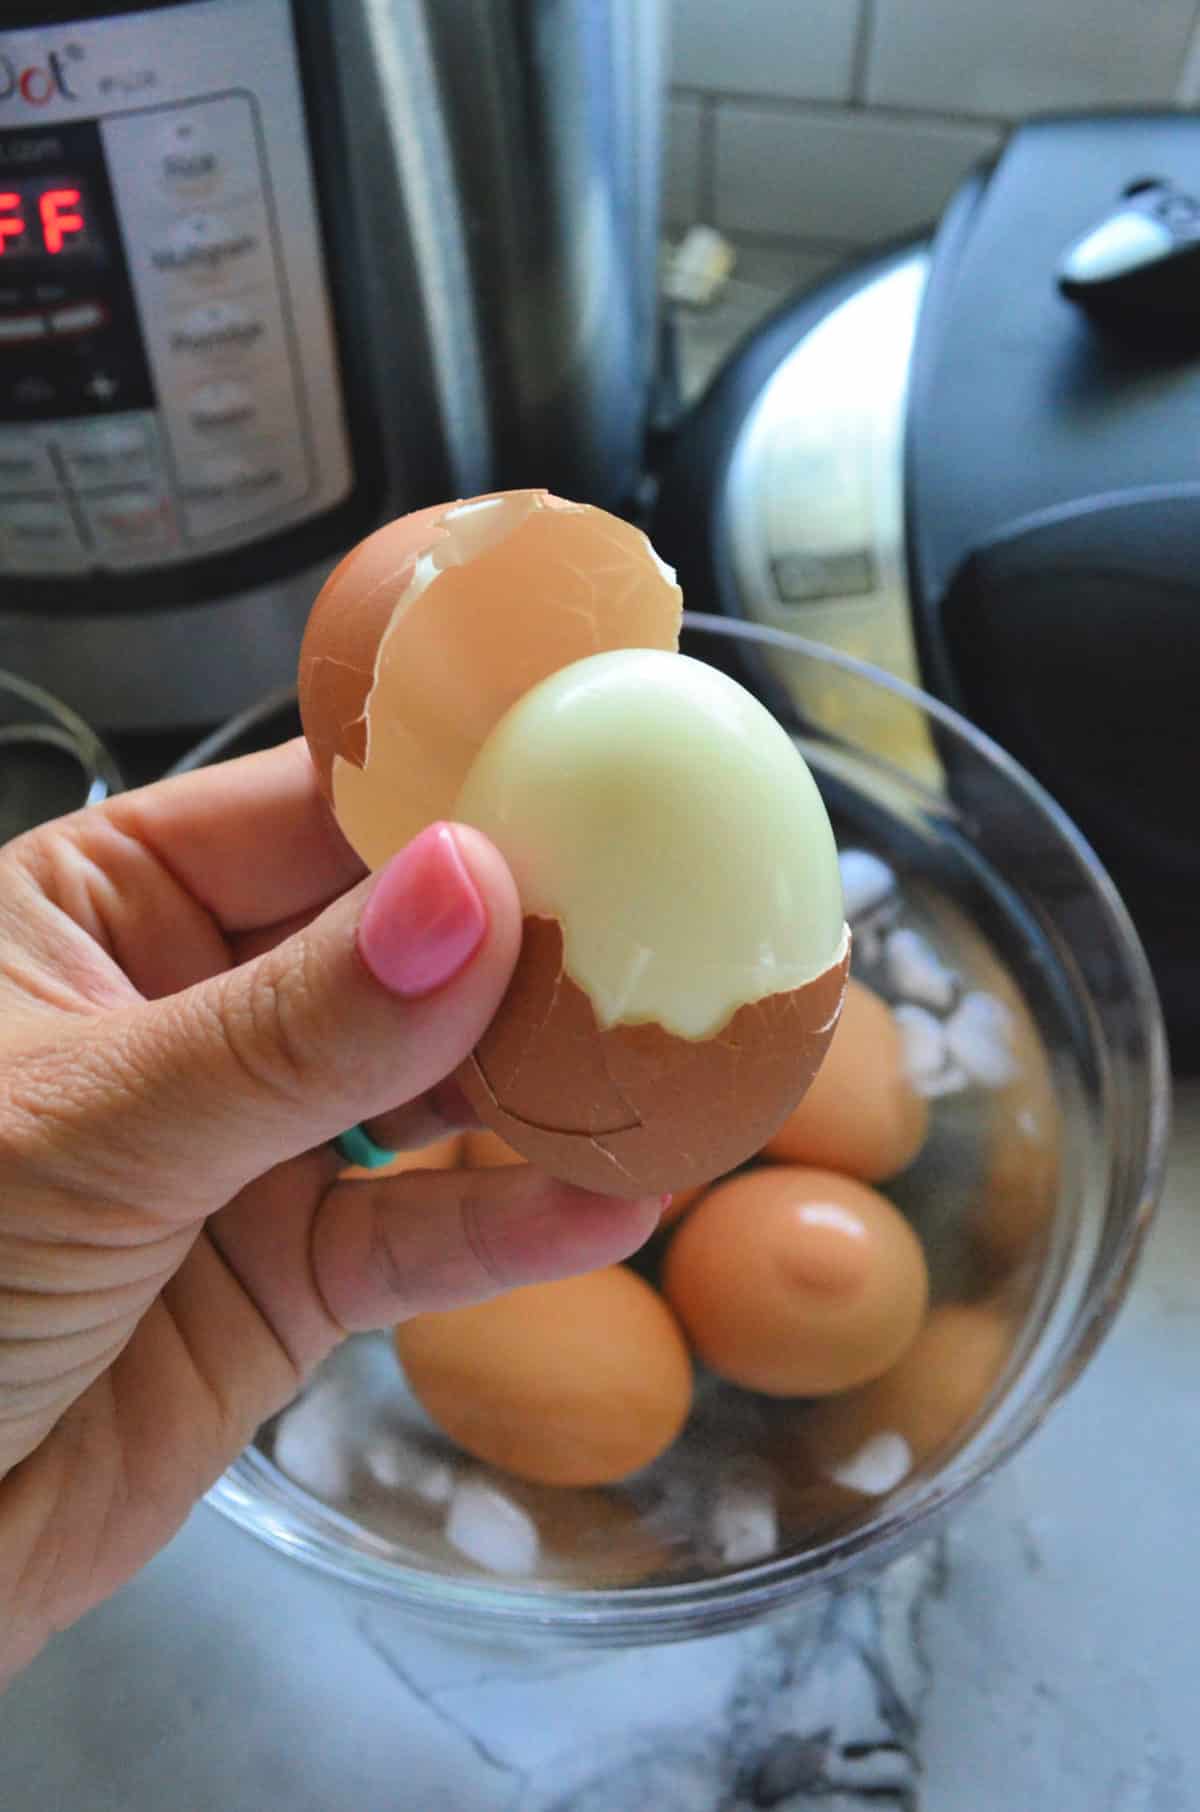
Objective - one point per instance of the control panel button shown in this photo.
(102, 386)
(111, 451)
(217, 327)
(219, 493)
(25, 465)
(39, 535)
(188, 163)
(129, 525)
(32, 391)
(236, 346)
(16, 328)
(78, 317)
(223, 403)
(206, 248)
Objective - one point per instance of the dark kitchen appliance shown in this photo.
(973, 458)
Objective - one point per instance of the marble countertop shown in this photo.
(1040, 1653)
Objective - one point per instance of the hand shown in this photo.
(198, 989)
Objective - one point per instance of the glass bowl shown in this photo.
(50, 761)
(1031, 1023)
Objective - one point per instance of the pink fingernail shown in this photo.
(424, 918)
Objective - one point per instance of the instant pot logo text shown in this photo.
(36, 83)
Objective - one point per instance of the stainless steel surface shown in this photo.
(814, 498)
(164, 669)
(552, 115)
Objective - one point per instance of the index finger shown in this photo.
(252, 840)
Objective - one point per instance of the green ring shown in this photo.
(357, 1147)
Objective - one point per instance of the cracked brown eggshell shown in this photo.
(684, 951)
(632, 1110)
(433, 626)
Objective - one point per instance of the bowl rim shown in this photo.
(612, 1616)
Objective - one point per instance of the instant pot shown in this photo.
(272, 273)
(971, 458)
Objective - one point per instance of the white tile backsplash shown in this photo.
(1026, 56)
(867, 105)
(681, 165)
(798, 48)
(851, 177)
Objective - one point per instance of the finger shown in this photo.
(443, 1111)
(401, 1246)
(252, 840)
(175, 881)
(375, 1002)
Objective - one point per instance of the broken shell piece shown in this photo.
(433, 626)
(979, 1036)
(916, 972)
(487, 1527)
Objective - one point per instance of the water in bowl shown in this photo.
(752, 1477)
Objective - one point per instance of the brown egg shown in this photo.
(681, 1200)
(927, 1399)
(443, 1154)
(1019, 1186)
(579, 1382)
(428, 630)
(511, 662)
(484, 1150)
(796, 1282)
(861, 1113)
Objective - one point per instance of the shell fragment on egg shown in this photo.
(685, 952)
(432, 627)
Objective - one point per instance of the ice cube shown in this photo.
(400, 1465)
(743, 1524)
(488, 1528)
(916, 972)
(878, 1466)
(979, 1035)
(866, 882)
(927, 1059)
(312, 1445)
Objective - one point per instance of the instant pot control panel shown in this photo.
(169, 385)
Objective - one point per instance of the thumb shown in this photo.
(370, 1005)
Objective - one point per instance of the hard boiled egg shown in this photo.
(796, 1282)
(861, 1113)
(579, 1382)
(511, 662)
(872, 1437)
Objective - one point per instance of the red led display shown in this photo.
(42, 221)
